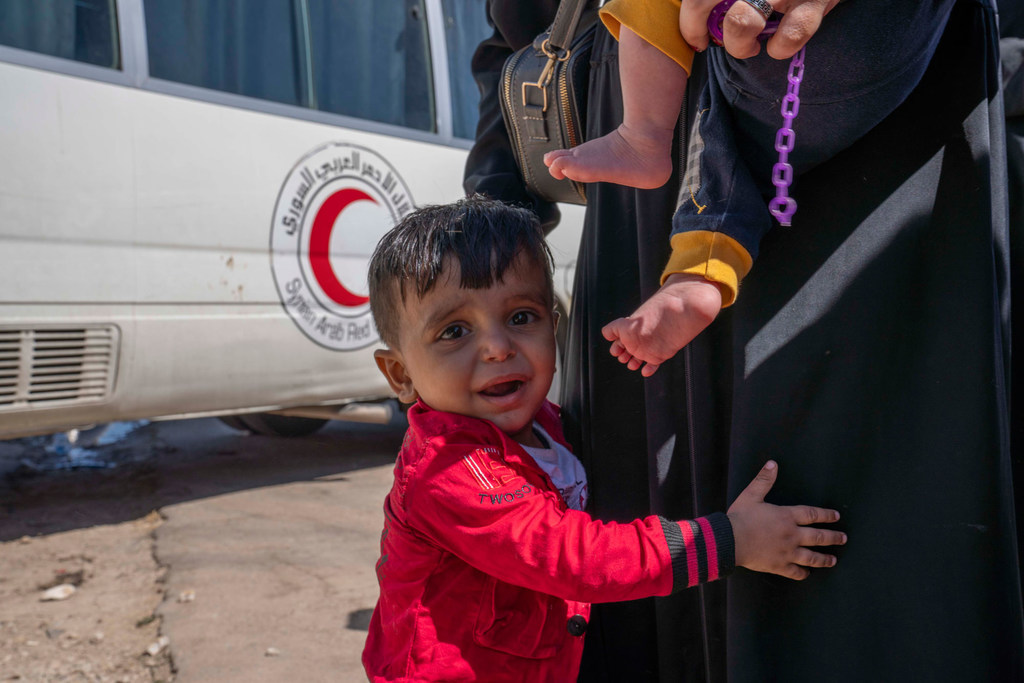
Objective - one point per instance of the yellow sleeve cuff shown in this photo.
(714, 256)
(656, 21)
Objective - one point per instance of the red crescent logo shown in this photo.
(320, 245)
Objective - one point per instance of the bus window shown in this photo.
(248, 47)
(82, 30)
(361, 58)
(371, 59)
(465, 25)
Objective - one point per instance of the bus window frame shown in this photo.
(439, 62)
(134, 73)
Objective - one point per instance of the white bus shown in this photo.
(190, 190)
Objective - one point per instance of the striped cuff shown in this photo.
(702, 549)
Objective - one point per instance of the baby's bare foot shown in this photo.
(623, 156)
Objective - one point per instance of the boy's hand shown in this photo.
(774, 539)
(665, 323)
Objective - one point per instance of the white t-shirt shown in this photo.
(564, 469)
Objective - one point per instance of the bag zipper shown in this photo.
(563, 91)
(570, 127)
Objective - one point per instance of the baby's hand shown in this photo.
(665, 323)
(775, 539)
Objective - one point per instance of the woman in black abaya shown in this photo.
(868, 353)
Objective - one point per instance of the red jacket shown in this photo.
(486, 575)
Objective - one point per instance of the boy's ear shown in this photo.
(390, 363)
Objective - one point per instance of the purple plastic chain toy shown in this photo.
(782, 206)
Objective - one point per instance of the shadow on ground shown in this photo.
(164, 463)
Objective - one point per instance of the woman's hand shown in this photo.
(743, 24)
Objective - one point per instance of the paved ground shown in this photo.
(231, 557)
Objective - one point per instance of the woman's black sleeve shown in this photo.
(491, 169)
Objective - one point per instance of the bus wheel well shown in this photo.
(270, 424)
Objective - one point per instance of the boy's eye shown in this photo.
(453, 332)
(523, 317)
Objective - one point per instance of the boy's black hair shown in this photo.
(483, 235)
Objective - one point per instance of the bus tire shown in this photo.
(233, 421)
(269, 424)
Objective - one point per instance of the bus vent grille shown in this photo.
(56, 366)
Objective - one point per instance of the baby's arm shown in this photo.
(776, 539)
(665, 323)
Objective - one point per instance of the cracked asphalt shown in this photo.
(198, 553)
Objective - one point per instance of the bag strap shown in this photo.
(567, 18)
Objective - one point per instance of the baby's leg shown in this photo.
(638, 152)
(665, 323)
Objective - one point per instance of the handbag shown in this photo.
(543, 98)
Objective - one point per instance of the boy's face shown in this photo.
(486, 353)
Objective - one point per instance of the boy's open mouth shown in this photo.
(503, 388)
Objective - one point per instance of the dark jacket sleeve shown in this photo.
(719, 193)
(490, 168)
(858, 70)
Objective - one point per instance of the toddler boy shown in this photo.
(489, 562)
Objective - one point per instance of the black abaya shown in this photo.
(868, 353)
